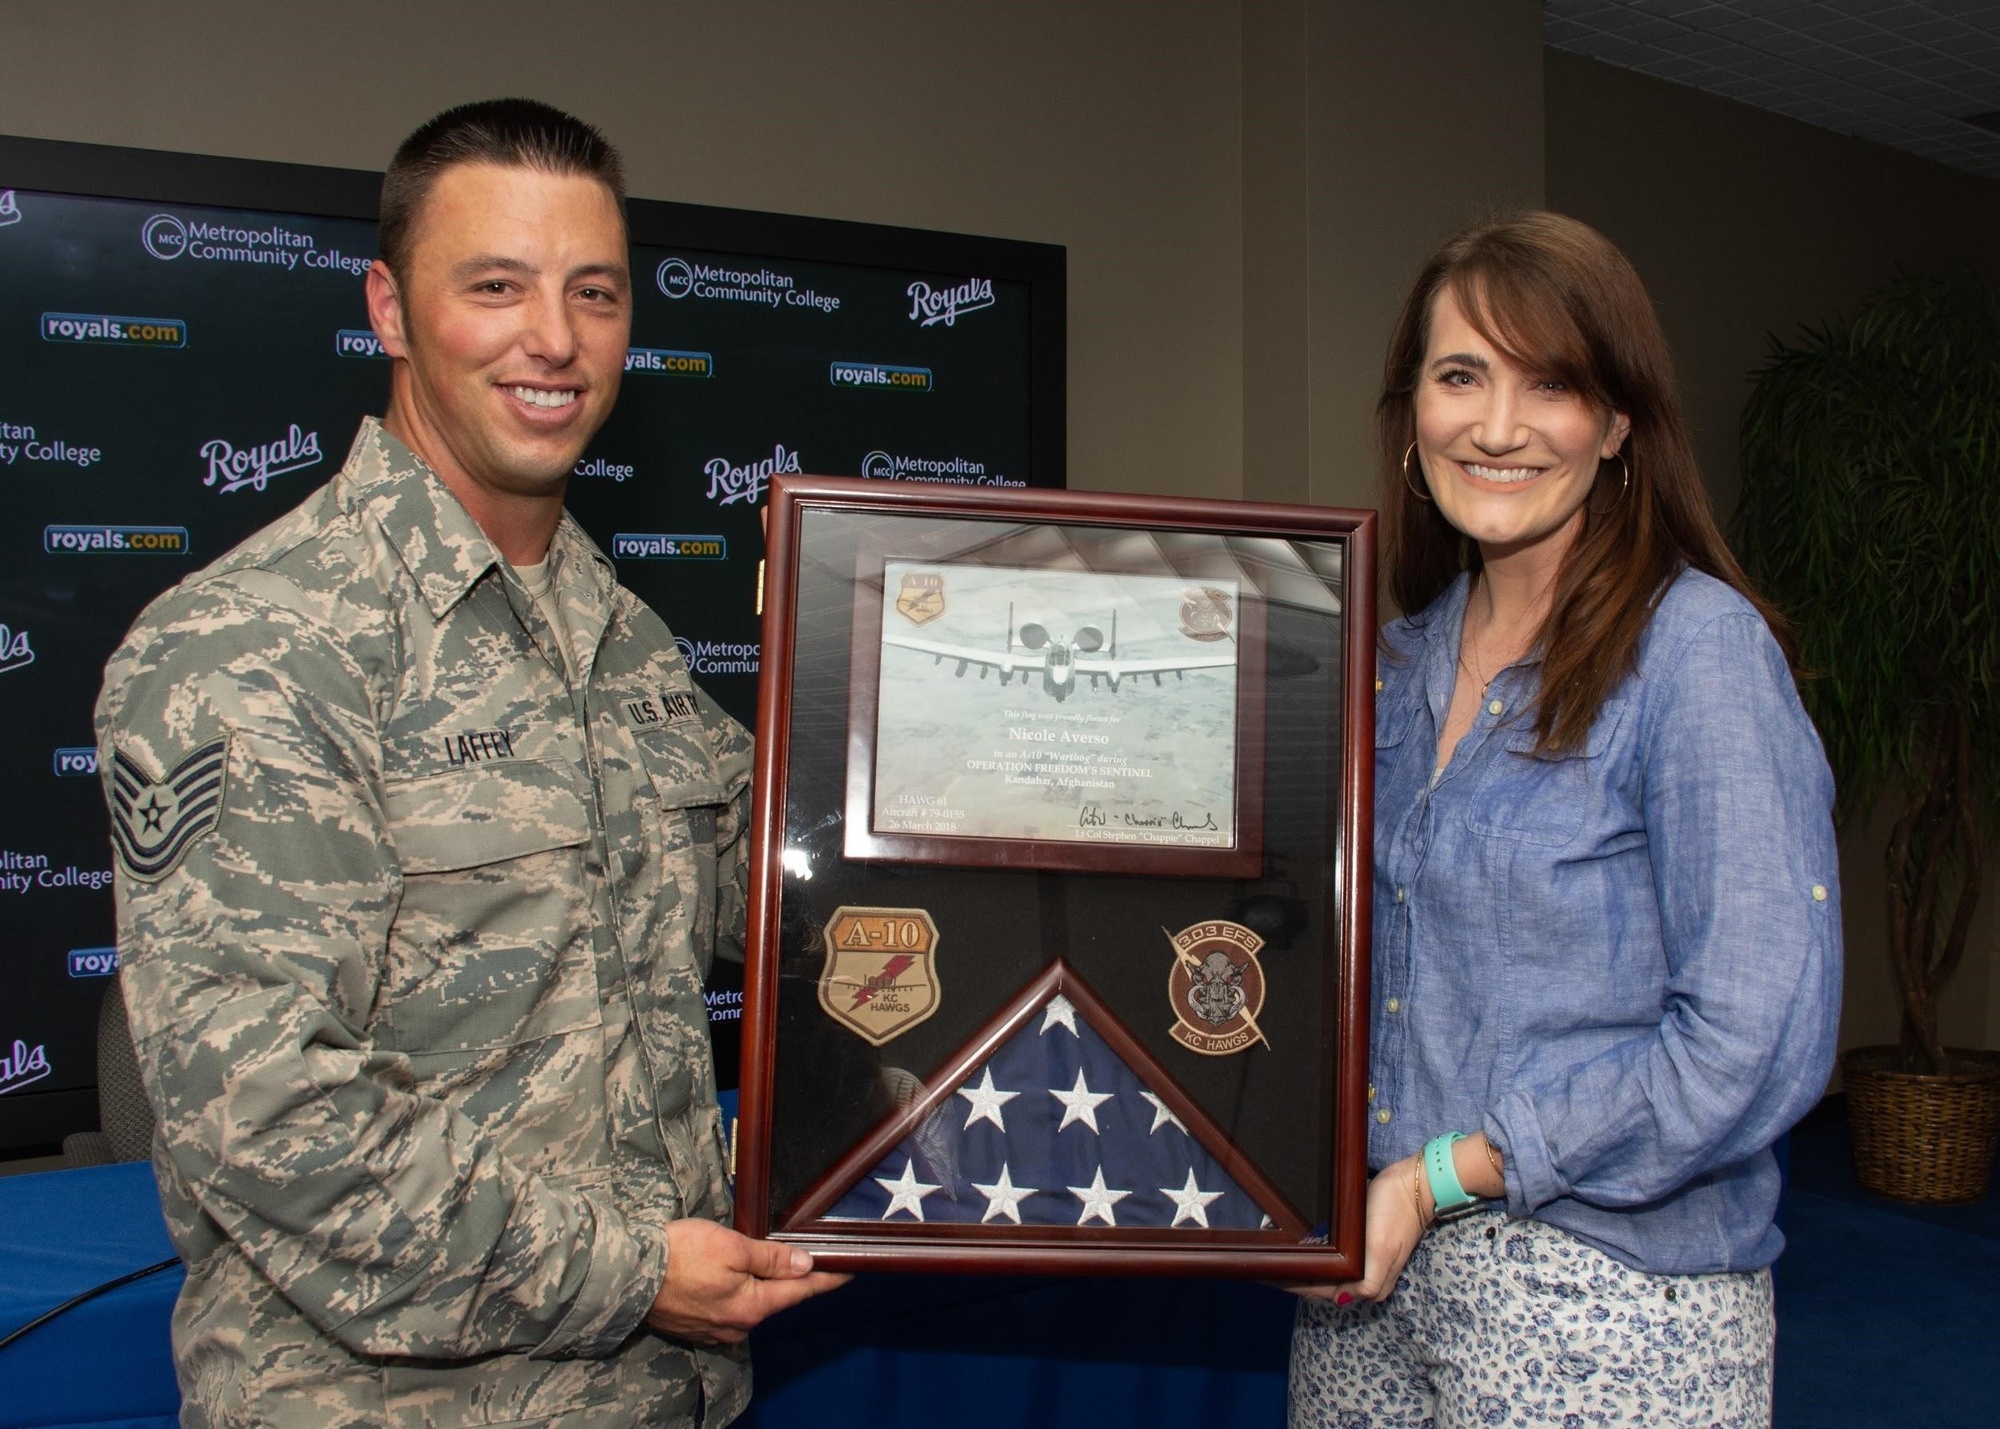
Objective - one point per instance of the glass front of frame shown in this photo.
(1055, 950)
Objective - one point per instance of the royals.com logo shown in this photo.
(680, 278)
(717, 657)
(729, 483)
(669, 362)
(930, 305)
(357, 342)
(167, 236)
(76, 761)
(93, 962)
(952, 471)
(880, 374)
(232, 468)
(106, 327)
(653, 546)
(116, 540)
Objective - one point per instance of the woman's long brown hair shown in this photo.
(1563, 304)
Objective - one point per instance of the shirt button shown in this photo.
(1371, 1091)
(1378, 687)
(1495, 707)
(1382, 1116)
(1819, 893)
(1399, 893)
(1394, 1004)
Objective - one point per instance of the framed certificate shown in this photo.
(1028, 717)
(1059, 883)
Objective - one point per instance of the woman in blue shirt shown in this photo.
(1607, 924)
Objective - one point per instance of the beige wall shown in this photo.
(1743, 224)
(1355, 169)
(1104, 126)
(1235, 180)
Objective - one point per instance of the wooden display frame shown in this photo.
(1319, 1242)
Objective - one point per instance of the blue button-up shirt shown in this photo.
(1623, 962)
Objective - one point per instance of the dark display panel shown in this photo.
(187, 354)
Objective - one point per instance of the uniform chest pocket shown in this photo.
(1544, 798)
(681, 769)
(491, 945)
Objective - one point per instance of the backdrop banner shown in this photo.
(178, 376)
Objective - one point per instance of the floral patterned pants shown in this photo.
(1514, 1323)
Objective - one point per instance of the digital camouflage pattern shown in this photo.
(420, 1008)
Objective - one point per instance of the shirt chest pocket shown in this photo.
(491, 945)
(1544, 798)
(680, 770)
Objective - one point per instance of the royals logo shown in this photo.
(930, 305)
(921, 600)
(232, 468)
(22, 1065)
(156, 818)
(1216, 987)
(15, 651)
(880, 979)
(10, 208)
(1206, 613)
(729, 484)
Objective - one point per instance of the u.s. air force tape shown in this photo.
(155, 819)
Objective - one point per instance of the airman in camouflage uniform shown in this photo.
(414, 929)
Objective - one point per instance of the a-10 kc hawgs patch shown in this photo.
(1216, 987)
(880, 979)
(921, 600)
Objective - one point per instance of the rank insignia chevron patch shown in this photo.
(154, 821)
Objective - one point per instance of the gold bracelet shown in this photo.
(1417, 1195)
(1493, 1160)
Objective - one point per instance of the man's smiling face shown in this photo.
(514, 315)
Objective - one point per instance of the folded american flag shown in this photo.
(1053, 1129)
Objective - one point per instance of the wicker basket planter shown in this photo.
(1919, 1138)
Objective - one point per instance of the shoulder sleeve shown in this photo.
(255, 889)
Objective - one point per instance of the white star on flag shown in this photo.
(1060, 1009)
(1190, 1202)
(986, 1102)
(1097, 1201)
(1161, 1116)
(1003, 1197)
(1080, 1103)
(906, 1192)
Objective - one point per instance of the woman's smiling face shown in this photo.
(1508, 457)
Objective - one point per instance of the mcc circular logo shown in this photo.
(164, 236)
(675, 277)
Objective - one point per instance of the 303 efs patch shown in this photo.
(1216, 987)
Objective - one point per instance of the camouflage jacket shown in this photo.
(414, 934)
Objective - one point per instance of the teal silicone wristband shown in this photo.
(1448, 1194)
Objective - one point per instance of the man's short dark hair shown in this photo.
(514, 133)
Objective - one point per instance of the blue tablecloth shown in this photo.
(107, 1361)
(887, 1352)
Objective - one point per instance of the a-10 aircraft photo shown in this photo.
(1060, 661)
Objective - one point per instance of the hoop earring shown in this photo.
(1415, 490)
(1624, 485)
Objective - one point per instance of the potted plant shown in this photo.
(1871, 515)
